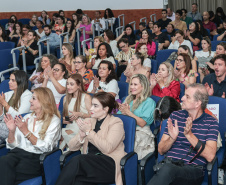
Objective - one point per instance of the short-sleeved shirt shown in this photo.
(163, 24)
(57, 95)
(218, 88)
(131, 39)
(97, 61)
(144, 111)
(204, 57)
(195, 16)
(210, 25)
(196, 35)
(112, 86)
(182, 26)
(188, 20)
(205, 128)
(161, 38)
(221, 31)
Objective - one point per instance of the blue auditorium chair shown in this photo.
(182, 90)
(214, 44)
(129, 161)
(215, 37)
(24, 21)
(148, 162)
(154, 66)
(3, 22)
(163, 55)
(123, 78)
(123, 89)
(7, 45)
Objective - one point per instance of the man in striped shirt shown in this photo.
(188, 128)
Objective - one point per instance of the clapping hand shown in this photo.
(96, 82)
(83, 125)
(209, 89)
(223, 95)
(176, 73)
(22, 124)
(173, 131)
(10, 123)
(124, 108)
(153, 80)
(2, 98)
(74, 115)
(188, 126)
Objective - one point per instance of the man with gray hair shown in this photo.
(189, 141)
(194, 14)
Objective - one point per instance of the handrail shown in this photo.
(134, 24)
(144, 18)
(23, 57)
(6, 71)
(84, 45)
(36, 61)
(106, 22)
(67, 37)
(117, 30)
(96, 25)
(78, 38)
(123, 20)
(153, 15)
(40, 47)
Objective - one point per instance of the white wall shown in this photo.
(55, 5)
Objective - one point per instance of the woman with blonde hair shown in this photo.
(136, 66)
(163, 83)
(79, 67)
(77, 105)
(33, 20)
(29, 137)
(88, 28)
(68, 57)
(139, 106)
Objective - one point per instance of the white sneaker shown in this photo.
(220, 176)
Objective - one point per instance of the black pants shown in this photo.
(88, 169)
(177, 175)
(18, 166)
(29, 60)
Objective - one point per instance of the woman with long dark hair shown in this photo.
(14, 102)
(194, 35)
(128, 33)
(105, 80)
(3, 35)
(146, 38)
(108, 14)
(104, 52)
(44, 18)
(69, 27)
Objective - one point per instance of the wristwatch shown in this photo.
(99, 88)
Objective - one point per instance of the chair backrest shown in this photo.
(182, 90)
(163, 126)
(222, 126)
(129, 124)
(163, 55)
(94, 72)
(3, 22)
(215, 37)
(154, 66)
(123, 89)
(123, 78)
(214, 44)
(60, 108)
(155, 98)
(24, 21)
(7, 45)
(4, 86)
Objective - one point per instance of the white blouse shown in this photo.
(50, 141)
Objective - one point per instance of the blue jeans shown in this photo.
(177, 175)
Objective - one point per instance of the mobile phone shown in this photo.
(67, 118)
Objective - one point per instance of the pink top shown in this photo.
(88, 28)
(151, 48)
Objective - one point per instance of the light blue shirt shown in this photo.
(54, 39)
(144, 111)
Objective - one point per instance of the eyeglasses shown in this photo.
(56, 70)
(180, 60)
(77, 62)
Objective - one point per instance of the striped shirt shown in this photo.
(205, 128)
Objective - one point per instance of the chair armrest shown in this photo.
(50, 166)
(129, 168)
(156, 131)
(146, 167)
(3, 150)
(64, 158)
(212, 169)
